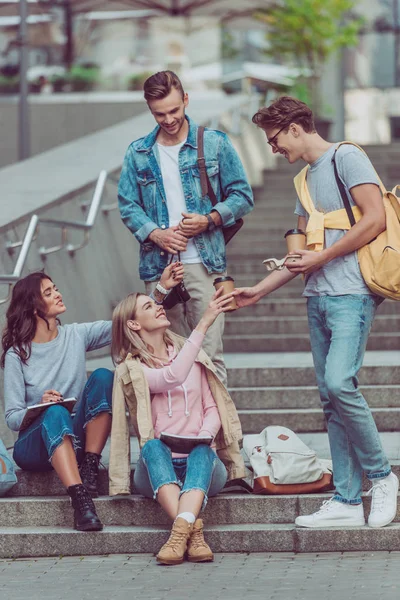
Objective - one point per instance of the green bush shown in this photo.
(9, 85)
(83, 79)
(79, 79)
(306, 34)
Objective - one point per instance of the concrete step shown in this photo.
(238, 324)
(308, 419)
(291, 369)
(136, 511)
(299, 342)
(258, 537)
(296, 307)
(296, 370)
(304, 397)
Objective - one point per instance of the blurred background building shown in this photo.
(77, 46)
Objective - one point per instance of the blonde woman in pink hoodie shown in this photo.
(181, 404)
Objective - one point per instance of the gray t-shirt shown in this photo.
(59, 365)
(341, 275)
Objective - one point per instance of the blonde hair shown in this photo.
(125, 341)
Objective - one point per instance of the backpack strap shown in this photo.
(342, 191)
(382, 187)
(206, 188)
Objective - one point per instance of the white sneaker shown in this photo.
(384, 501)
(334, 514)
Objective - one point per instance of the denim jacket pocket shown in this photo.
(212, 168)
(148, 188)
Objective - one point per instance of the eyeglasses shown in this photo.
(272, 141)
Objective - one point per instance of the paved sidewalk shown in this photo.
(279, 576)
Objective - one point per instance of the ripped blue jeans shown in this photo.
(36, 445)
(201, 470)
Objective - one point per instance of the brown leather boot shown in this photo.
(174, 549)
(198, 549)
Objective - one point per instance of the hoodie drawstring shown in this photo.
(186, 401)
(187, 413)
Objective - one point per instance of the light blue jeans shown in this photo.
(339, 329)
(201, 470)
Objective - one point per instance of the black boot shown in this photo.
(89, 471)
(85, 516)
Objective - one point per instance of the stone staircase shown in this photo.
(272, 381)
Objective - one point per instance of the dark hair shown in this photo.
(284, 111)
(21, 318)
(160, 85)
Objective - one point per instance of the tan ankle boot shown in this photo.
(174, 549)
(198, 549)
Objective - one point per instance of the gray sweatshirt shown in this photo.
(57, 365)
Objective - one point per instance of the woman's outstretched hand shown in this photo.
(172, 275)
(218, 304)
(245, 296)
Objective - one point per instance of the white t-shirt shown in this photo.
(176, 204)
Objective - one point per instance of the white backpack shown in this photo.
(279, 454)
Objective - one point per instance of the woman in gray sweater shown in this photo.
(44, 362)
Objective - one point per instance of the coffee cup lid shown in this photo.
(295, 232)
(221, 279)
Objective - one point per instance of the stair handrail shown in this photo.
(85, 226)
(19, 265)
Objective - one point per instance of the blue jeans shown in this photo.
(339, 329)
(201, 470)
(36, 445)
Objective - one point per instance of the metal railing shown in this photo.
(25, 246)
(85, 226)
(31, 235)
(235, 128)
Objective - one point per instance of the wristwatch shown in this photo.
(211, 224)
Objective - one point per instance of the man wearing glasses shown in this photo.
(340, 309)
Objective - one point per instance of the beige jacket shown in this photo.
(131, 392)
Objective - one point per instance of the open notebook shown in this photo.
(36, 409)
(183, 444)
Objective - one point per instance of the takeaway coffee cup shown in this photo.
(295, 240)
(229, 285)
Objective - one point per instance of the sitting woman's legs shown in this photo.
(155, 476)
(205, 476)
(47, 443)
(92, 422)
(92, 425)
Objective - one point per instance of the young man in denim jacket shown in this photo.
(340, 308)
(161, 203)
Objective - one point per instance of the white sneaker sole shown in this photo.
(332, 523)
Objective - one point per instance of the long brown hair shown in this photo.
(125, 341)
(21, 318)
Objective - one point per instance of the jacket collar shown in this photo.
(148, 142)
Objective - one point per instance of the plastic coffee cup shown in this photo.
(295, 240)
(228, 284)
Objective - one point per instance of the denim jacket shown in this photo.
(142, 199)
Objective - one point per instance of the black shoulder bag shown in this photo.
(206, 188)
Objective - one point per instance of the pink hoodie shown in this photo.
(181, 399)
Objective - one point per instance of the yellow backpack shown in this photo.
(380, 259)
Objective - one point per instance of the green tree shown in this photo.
(307, 32)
